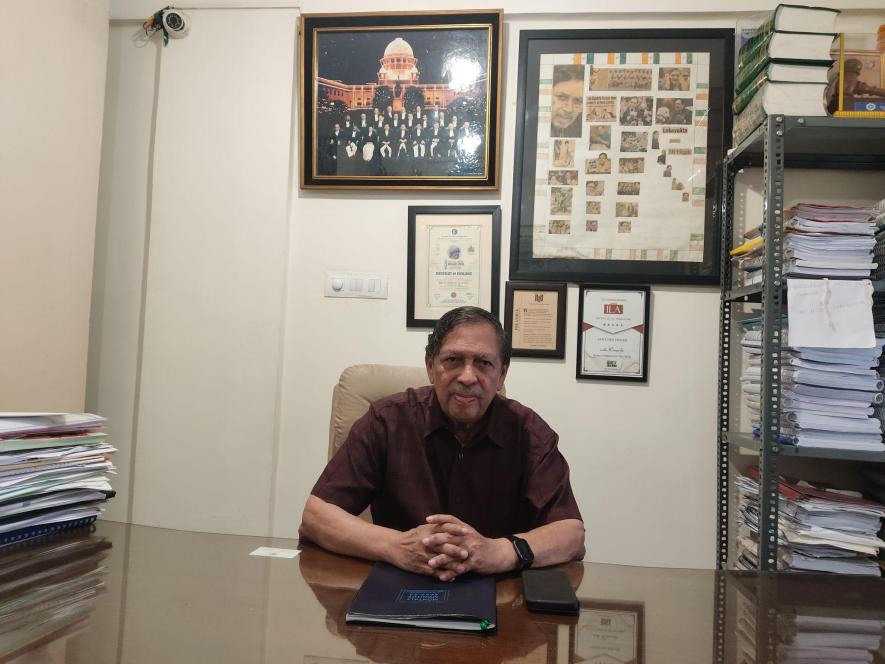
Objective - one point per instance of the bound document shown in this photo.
(391, 596)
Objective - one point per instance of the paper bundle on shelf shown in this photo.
(827, 394)
(820, 529)
(879, 247)
(48, 589)
(820, 241)
(53, 473)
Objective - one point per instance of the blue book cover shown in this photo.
(391, 596)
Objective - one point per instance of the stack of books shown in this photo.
(48, 589)
(820, 529)
(827, 394)
(820, 241)
(783, 67)
(54, 471)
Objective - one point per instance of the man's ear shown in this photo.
(503, 377)
(428, 364)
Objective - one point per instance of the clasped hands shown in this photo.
(446, 547)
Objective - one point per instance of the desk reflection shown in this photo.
(520, 637)
(48, 589)
(194, 597)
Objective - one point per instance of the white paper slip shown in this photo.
(272, 552)
(831, 313)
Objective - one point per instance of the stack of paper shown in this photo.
(827, 394)
(828, 632)
(827, 639)
(821, 241)
(879, 250)
(820, 529)
(48, 589)
(54, 471)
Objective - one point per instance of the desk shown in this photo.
(172, 596)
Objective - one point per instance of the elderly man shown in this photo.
(459, 478)
(567, 101)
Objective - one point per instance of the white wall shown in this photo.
(52, 65)
(225, 410)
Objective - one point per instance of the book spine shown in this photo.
(744, 98)
(750, 118)
(761, 35)
(750, 70)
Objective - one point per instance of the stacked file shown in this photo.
(53, 473)
(820, 241)
(819, 529)
(879, 247)
(48, 589)
(826, 639)
(827, 394)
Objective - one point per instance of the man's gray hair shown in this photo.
(467, 316)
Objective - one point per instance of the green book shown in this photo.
(780, 69)
(786, 45)
(793, 18)
(787, 97)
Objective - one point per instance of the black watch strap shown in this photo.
(524, 554)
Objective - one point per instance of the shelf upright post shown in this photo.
(772, 335)
(725, 212)
(726, 223)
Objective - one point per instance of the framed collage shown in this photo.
(619, 133)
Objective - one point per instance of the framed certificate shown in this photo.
(454, 260)
(609, 632)
(534, 317)
(613, 329)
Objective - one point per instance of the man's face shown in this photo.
(467, 372)
(678, 105)
(337, 126)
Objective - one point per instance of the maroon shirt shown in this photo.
(402, 459)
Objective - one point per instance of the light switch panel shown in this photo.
(372, 285)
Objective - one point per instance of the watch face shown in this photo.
(524, 551)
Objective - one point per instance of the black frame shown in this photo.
(399, 22)
(562, 291)
(532, 44)
(414, 210)
(643, 378)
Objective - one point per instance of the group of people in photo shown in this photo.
(380, 139)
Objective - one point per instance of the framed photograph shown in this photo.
(400, 100)
(610, 632)
(534, 317)
(613, 330)
(617, 135)
(454, 260)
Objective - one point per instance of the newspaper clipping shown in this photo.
(622, 156)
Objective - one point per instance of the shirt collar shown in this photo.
(493, 429)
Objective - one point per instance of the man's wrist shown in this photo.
(510, 561)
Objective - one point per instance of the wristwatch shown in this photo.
(524, 555)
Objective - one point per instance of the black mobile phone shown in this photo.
(549, 591)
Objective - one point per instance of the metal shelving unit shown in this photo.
(781, 142)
